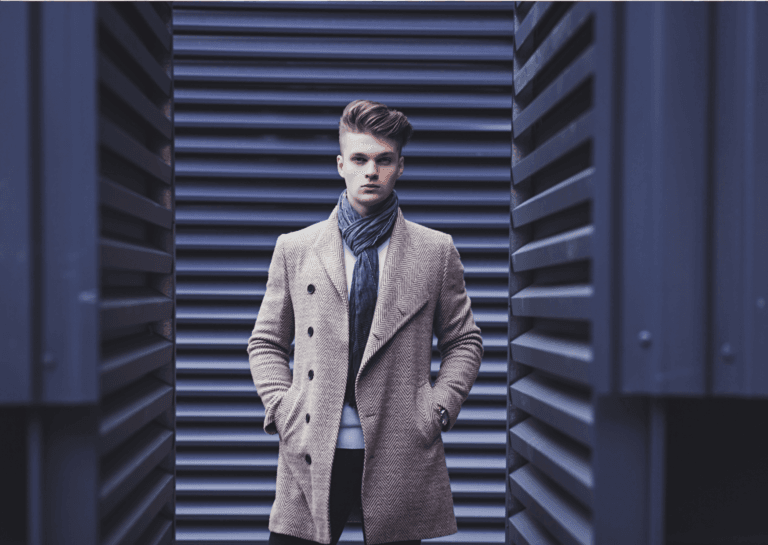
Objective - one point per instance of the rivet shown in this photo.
(726, 351)
(645, 338)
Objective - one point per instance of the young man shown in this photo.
(362, 293)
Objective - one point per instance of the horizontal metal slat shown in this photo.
(238, 340)
(126, 307)
(131, 409)
(207, 436)
(239, 412)
(343, 6)
(565, 408)
(565, 141)
(525, 530)
(254, 291)
(157, 490)
(229, 386)
(317, 73)
(340, 98)
(155, 24)
(263, 168)
(197, 534)
(118, 197)
(116, 254)
(322, 22)
(223, 509)
(210, 215)
(564, 302)
(125, 362)
(213, 266)
(570, 192)
(342, 48)
(258, 240)
(563, 357)
(218, 460)
(570, 78)
(563, 460)
(282, 121)
(187, 313)
(531, 21)
(120, 143)
(568, 521)
(132, 464)
(491, 367)
(562, 248)
(113, 22)
(221, 191)
(127, 91)
(565, 29)
(318, 145)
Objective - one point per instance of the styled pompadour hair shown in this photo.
(365, 116)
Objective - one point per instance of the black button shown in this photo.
(308, 458)
(311, 289)
(311, 374)
(307, 418)
(310, 331)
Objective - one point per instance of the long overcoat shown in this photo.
(406, 493)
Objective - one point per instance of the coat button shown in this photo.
(311, 289)
(308, 458)
(307, 418)
(311, 374)
(310, 331)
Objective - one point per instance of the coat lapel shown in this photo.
(400, 292)
(330, 251)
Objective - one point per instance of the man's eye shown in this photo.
(358, 160)
(385, 161)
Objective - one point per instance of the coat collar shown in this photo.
(399, 289)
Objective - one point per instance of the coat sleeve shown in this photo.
(270, 342)
(458, 338)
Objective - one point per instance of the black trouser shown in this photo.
(346, 485)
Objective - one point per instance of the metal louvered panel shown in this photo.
(552, 431)
(259, 92)
(136, 429)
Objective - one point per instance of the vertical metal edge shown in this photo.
(607, 143)
(657, 446)
(16, 206)
(69, 203)
(757, 234)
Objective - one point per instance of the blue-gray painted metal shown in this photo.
(16, 198)
(90, 183)
(259, 91)
(664, 200)
(554, 242)
(739, 343)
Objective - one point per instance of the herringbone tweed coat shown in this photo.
(406, 492)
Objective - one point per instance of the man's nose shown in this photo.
(371, 169)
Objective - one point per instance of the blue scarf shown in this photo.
(363, 235)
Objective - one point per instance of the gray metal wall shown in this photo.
(637, 275)
(259, 91)
(87, 286)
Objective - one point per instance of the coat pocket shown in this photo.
(285, 416)
(429, 421)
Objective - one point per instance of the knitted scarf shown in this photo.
(363, 235)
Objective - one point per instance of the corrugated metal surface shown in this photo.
(551, 435)
(259, 90)
(136, 493)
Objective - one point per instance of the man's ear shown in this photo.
(401, 166)
(340, 164)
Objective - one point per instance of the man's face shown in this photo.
(370, 166)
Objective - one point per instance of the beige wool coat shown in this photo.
(406, 493)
